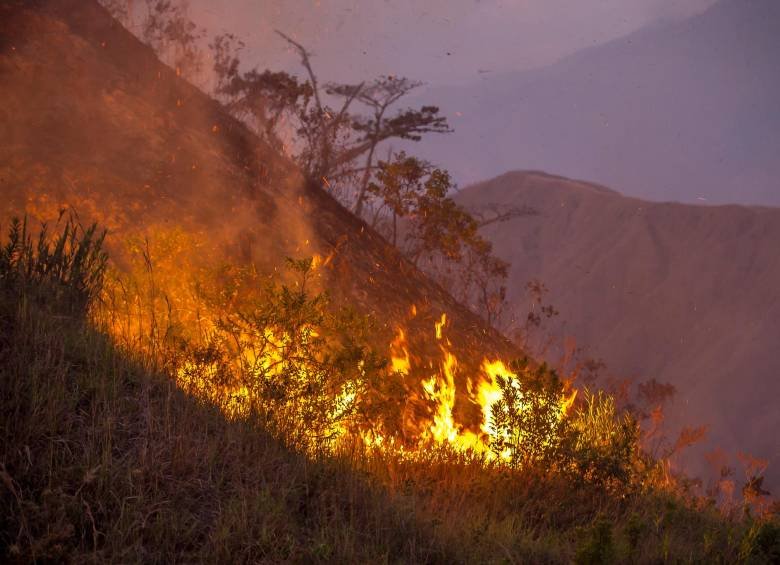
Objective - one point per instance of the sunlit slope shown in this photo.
(685, 294)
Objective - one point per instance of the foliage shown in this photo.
(412, 196)
(761, 543)
(302, 367)
(597, 546)
(65, 269)
(104, 459)
(168, 29)
(329, 140)
(119, 10)
(528, 420)
(606, 443)
(534, 428)
(265, 99)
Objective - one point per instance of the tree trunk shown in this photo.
(358, 211)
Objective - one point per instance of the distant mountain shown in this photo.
(686, 294)
(684, 111)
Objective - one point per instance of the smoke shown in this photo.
(440, 42)
(101, 128)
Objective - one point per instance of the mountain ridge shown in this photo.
(682, 293)
(676, 111)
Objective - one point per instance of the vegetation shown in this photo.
(104, 458)
(334, 132)
(256, 437)
(410, 205)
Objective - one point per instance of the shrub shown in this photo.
(532, 427)
(597, 546)
(528, 420)
(761, 543)
(605, 443)
(65, 270)
(299, 364)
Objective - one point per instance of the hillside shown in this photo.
(684, 294)
(171, 393)
(104, 459)
(679, 111)
(95, 122)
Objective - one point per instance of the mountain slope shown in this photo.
(681, 111)
(685, 294)
(93, 121)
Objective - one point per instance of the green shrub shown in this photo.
(596, 546)
(299, 364)
(65, 270)
(605, 443)
(761, 543)
(528, 419)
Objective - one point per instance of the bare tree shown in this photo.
(332, 139)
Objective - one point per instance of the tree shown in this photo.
(263, 100)
(332, 139)
(407, 124)
(168, 29)
(119, 10)
(411, 196)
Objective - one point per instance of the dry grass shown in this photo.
(103, 459)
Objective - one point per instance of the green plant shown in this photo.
(605, 443)
(761, 543)
(66, 269)
(304, 366)
(528, 420)
(597, 546)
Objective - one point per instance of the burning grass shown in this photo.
(236, 417)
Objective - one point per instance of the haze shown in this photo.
(664, 100)
(438, 41)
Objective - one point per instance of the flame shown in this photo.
(163, 274)
(440, 325)
(488, 391)
(399, 353)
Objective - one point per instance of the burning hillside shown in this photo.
(100, 127)
(242, 370)
(202, 216)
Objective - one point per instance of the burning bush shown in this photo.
(529, 420)
(605, 449)
(300, 365)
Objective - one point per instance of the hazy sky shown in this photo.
(438, 41)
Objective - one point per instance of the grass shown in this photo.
(104, 459)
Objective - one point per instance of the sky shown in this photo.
(437, 41)
(711, 140)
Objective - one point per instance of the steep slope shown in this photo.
(678, 111)
(92, 120)
(685, 294)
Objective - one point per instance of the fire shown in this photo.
(440, 391)
(488, 392)
(170, 286)
(440, 325)
(399, 353)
